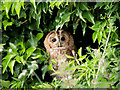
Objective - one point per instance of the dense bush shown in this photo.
(95, 27)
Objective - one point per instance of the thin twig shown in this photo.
(103, 55)
(37, 77)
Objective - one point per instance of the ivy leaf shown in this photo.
(94, 36)
(7, 61)
(53, 61)
(89, 17)
(44, 70)
(17, 58)
(99, 36)
(80, 16)
(39, 36)
(68, 56)
(82, 57)
(74, 27)
(83, 6)
(80, 52)
(5, 84)
(50, 67)
(29, 52)
(12, 45)
(22, 3)
(18, 8)
(22, 60)
(32, 41)
(13, 7)
(84, 25)
(11, 65)
(96, 26)
(33, 2)
(7, 6)
(6, 23)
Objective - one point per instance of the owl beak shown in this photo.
(59, 44)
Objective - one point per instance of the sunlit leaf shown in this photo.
(17, 58)
(82, 57)
(6, 23)
(80, 16)
(89, 17)
(29, 52)
(39, 36)
(56, 72)
(13, 7)
(99, 36)
(50, 67)
(22, 3)
(68, 56)
(94, 36)
(5, 84)
(7, 61)
(53, 61)
(18, 8)
(7, 6)
(84, 25)
(11, 65)
(12, 45)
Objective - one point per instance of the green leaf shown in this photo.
(53, 61)
(7, 6)
(6, 23)
(82, 57)
(89, 17)
(5, 84)
(18, 8)
(56, 72)
(17, 58)
(29, 52)
(11, 65)
(33, 2)
(39, 36)
(99, 36)
(68, 56)
(12, 45)
(84, 25)
(83, 6)
(23, 14)
(80, 52)
(65, 17)
(7, 61)
(74, 27)
(96, 26)
(80, 16)
(37, 56)
(44, 70)
(22, 60)
(50, 67)
(22, 3)
(33, 40)
(13, 7)
(94, 36)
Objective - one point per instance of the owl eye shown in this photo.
(53, 39)
(63, 38)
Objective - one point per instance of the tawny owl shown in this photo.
(57, 44)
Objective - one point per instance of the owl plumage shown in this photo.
(57, 44)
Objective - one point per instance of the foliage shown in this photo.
(24, 27)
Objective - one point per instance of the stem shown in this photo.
(102, 58)
(37, 77)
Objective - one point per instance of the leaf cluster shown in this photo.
(25, 62)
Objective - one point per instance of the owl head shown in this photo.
(58, 40)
